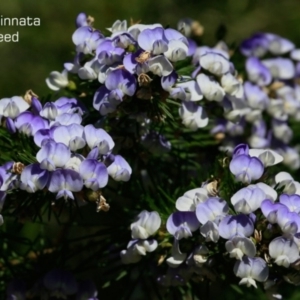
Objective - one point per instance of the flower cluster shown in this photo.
(137, 84)
(271, 92)
(139, 61)
(214, 78)
(124, 61)
(69, 157)
(257, 227)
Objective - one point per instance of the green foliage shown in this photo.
(16, 147)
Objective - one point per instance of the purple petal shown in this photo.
(246, 168)
(123, 80)
(270, 210)
(168, 81)
(119, 170)
(33, 178)
(213, 209)
(55, 154)
(65, 179)
(92, 169)
(178, 218)
(257, 72)
(240, 149)
(231, 226)
(29, 124)
(292, 202)
(256, 45)
(147, 37)
(43, 135)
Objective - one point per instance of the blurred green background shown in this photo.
(43, 49)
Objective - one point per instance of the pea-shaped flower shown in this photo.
(250, 198)
(67, 119)
(190, 91)
(98, 138)
(257, 99)
(289, 222)
(193, 116)
(292, 202)
(57, 80)
(153, 40)
(239, 246)
(69, 105)
(246, 168)
(177, 45)
(119, 170)
(7, 179)
(239, 225)
(33, 178)
(53, 155)
(284, 251)
(257, 72)
(94, 174)
(280, 68)
(213, 209)
(160, 65)
(29, 124)
(12, 107)
(64, 182)
(266, 156)
(284, 179)
(270, 210)
(181, 224)
(210, 88)
(131, 255)
(70, 135)
(232, 85)
(147, 224)
(49, 111)
(86, 39)
(210, 231)
(108, 54)
(279, 45)
(135, 250)
(215, 63)
(251, 270)
(191, 198)
(256, 45)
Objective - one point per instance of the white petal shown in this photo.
(210, 88)
(177, 257)
(267, 156)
